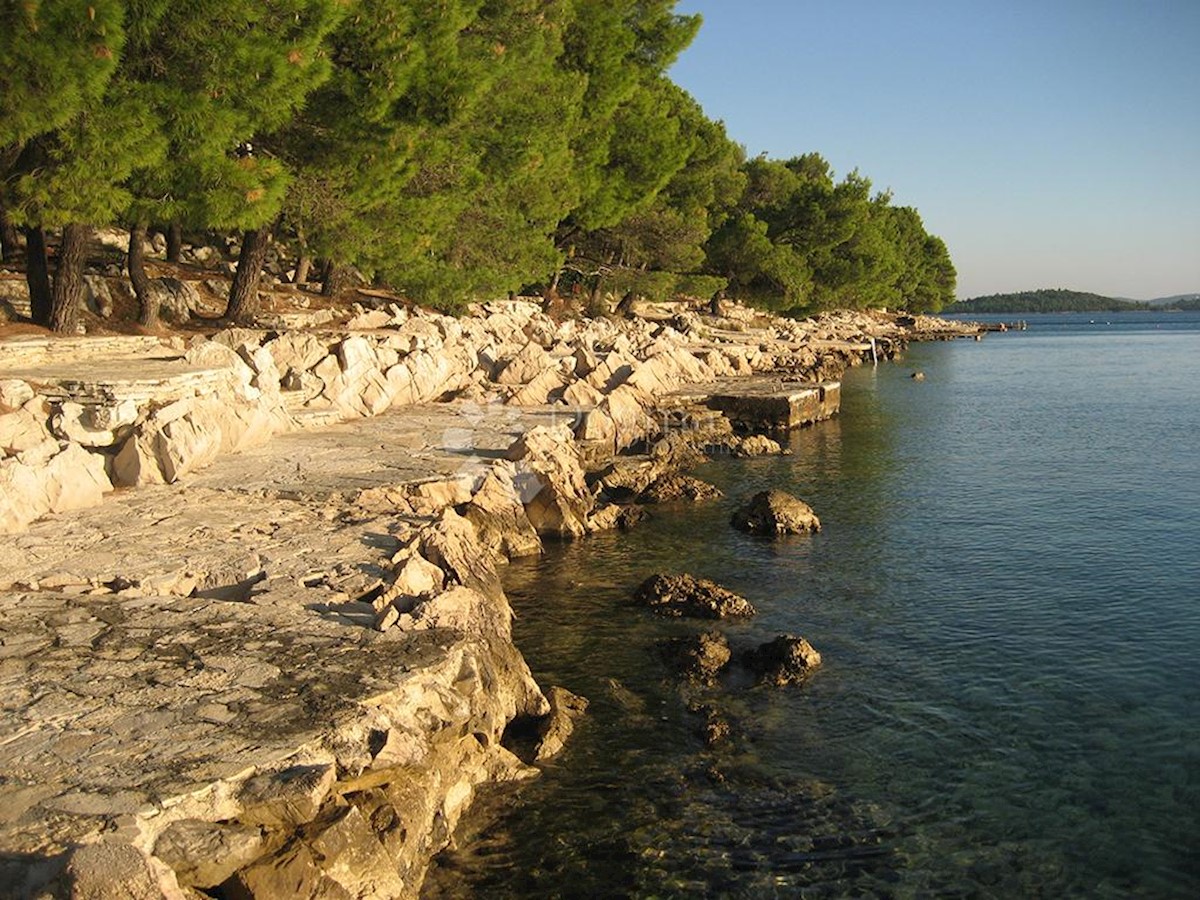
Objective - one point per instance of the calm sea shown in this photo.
(1006, 594)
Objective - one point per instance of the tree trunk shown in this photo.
(147, 306)
(334, 280)
(37, 275)
(69, 287)
(174, 241)
(243, 293)
(8, 238)
(303, 265)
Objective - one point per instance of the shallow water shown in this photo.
(1006, 595)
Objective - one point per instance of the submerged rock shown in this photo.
(686, 595)
(715, 729)
(757, 445)
(776, 512)
(614, 516)
(558, 724)
(679, 487)
(787, 659)
(698, 657)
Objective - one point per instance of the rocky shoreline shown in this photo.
(282, 665)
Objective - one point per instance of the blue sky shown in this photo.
(1051, 144)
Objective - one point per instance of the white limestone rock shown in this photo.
(550, 481)
(23, 429)
(529, 363)
(14, 393)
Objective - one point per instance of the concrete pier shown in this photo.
(774, 406)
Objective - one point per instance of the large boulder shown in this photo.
(204, 854)
(452, 544)
(14, 393)
(691, 597)
(55, 481)
(788, 658)
(176, 299)
(499, 515)
(550, 481)
(776, 512)
(529, 363)
(95, 426)
(23, 429)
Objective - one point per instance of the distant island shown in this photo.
(1051, 300)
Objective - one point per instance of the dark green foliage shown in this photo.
(1046, 300)
(58, 56)
(800, 240)
(452, 150)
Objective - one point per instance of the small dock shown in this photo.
(1003, 326)
(767, 405)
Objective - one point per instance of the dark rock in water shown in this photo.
(776, 512)
(696, 598)
(787, 659)
(559, 723)
(631, 516)
(679, 487)
(537, 738)
(715, 729)
(698, 657)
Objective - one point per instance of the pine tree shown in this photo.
(521, 177)
(621, 47)
(75, 176)
(669, 234)
(399, 85)
(56, 59)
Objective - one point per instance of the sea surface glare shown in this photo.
(1006, 594)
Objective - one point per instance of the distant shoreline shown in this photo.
(1060, 300)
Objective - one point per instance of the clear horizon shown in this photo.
(1051, 145)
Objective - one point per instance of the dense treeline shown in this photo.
(449, 150)
(1046, 300)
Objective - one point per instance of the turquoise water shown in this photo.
(1006, 594)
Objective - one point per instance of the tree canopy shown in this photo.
(450, 150)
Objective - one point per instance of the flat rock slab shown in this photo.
(164, 380)
(180, 634)
(408, 446)
(72, 357)
(111, 707)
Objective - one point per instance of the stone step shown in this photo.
(107, 381)
(34, 351)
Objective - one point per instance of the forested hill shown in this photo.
(1045, 300)
(449, 150)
